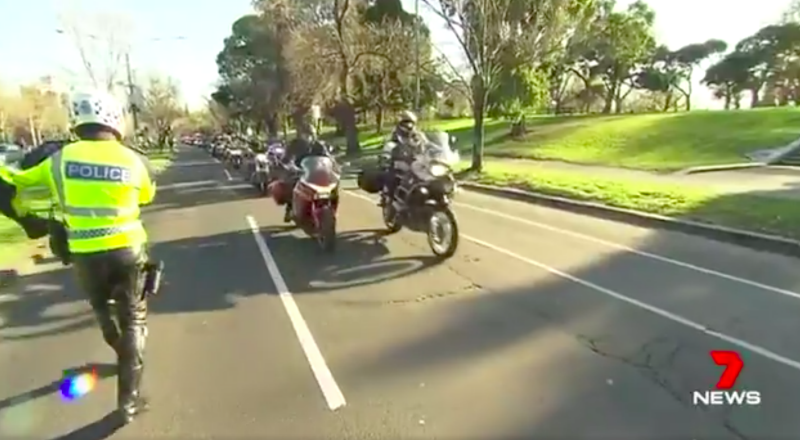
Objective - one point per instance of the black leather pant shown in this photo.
(117, 274)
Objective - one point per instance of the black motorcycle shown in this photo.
(422, 196)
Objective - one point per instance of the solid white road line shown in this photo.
(632, 301)
(625, 248)
(227, 175)
(181, 185)
(195, 163)
(330, 389)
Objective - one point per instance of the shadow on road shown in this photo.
(100, 429)
(30, 306)
(586, 339)
(103, 371)
(362, 258)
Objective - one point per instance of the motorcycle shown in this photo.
(260, 177)
(235, 158)
(315, 199)
(421, 199)
(275, 154)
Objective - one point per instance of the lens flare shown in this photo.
(74, 386)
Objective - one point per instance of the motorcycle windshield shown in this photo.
(438, 149)
(320, 170)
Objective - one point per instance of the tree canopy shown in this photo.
(358, 59)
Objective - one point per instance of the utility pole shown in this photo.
(416, 56)
(131, 91)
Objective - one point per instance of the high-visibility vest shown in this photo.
(97, 185)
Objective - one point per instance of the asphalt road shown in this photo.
(545, 324)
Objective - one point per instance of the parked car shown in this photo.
(10, 153)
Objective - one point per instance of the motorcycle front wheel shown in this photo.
(326, 235)
(443, 232)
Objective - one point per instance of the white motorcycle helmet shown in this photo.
(96, 107)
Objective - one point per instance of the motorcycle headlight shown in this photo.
(439, 170)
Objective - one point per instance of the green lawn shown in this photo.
(160, 161)
(755, 213)
(649, 142)
(12, 241)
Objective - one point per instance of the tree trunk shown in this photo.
(478, 110)
(609, 99)
(272, 124)
(299, 119)
(753, 98)
(346, 112)
(667, 102)
(346, 115)
(379, 113)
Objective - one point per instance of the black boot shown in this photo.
(287, 215)
(130, 401)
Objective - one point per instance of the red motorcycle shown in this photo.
(315, 198)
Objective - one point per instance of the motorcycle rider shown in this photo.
(99, 185)
(405, 143)
(405, 132)
(304, 145)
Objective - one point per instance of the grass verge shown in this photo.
(12, 241)
(654, 142)
(744, 211)
(161, 160)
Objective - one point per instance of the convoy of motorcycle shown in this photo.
(423, 187)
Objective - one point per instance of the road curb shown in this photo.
(724, 167)
(753, 240)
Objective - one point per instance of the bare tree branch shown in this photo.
(101, 40)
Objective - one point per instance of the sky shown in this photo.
(181, 38)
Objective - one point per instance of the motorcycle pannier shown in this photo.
(280, 191)
(370, 181)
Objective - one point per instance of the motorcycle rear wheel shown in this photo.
(443, 235)
(326, 235)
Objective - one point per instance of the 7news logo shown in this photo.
(724, 395)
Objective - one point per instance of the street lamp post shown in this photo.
(131, 90)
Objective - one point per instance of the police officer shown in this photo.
(99, 185)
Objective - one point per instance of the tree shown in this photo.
(387, 84)
(101, 40)
(623, 44)
(728, 78)
(766, 54)
(670, 71)
(495, 34)
(686, 59)
(162, 106)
